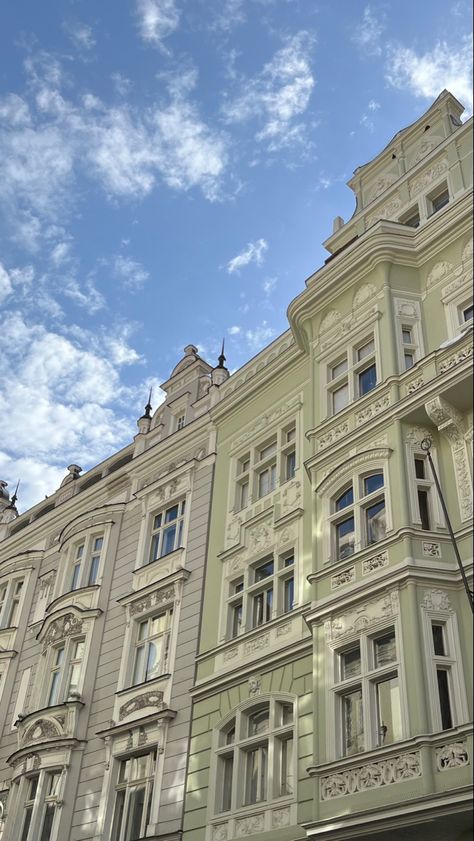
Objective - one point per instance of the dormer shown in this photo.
(188, 383)
(403, 182)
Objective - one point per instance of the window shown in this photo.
(167, 531)
(468, 313)
(260, 470)
(358, 515)
(180, 421)
(352, 375)
(264, 591)
(133, 797)
(10, 600)
(443, 662)
(65, 671)
(410, 346)
(367, 693)
(85, 563)
(40, 806)
(152, 647)
(255, 756)
(438, 199)
(411, 218)
(423, 491)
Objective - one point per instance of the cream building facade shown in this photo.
(333, 697)
(286, 515)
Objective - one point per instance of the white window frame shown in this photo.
(451, 662)
(408, 318)
(64, 669)
(38, 805)
(429, 199)
(352, 365)
(12, 599)
(119, 832)
(245, 589)
(84, 562)
(414, 484)
(269, 463)
(276, 772)
(157, 533)
(367, 681)
(358, 509)
(165, 635)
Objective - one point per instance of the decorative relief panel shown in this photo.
(367, 292)
(266, 420)
(425, 147)
(290, 497)
(281, 817)
(357, 619)
(260, 537)
(437, 273)
(451, 424)
(398, 769)
(456, 359)
(427, 177)
(333, 435)
(375, 562)
(415, 384)
(250, 825)
(346, 577)
(146, 699)
(48, 726)
(257, 644)
(437, 600)
(158, 597)
(372, 409)
(63, 627)
(331, 319)
(386, 211)
(382, 184)
(219, 832)
(454, 755)
(431, 550)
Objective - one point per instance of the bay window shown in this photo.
(261, 469)
(265, 590)
(65, 671)
(358, 515)
(352, 375)
(255, 757)
(40, 807)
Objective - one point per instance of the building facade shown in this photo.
(334, 679)
(287, 516)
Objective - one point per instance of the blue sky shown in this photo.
(168, 172)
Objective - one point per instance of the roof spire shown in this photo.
(15, 494)
(221, 357)
(148, 405)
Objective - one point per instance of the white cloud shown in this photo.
(234, 330)
(87, 297)
(157, 19)
(6, 287)
(80, 34)
(368, 33)
(252, 254)
(131, 272)
(269, 285)
(425, 75)
(258, 338)
(230, 14)
(373, 105)
(278, 95)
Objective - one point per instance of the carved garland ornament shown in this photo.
(427, 177)
(63, 627)
(399, 769)
(453, 755)
(148, 699)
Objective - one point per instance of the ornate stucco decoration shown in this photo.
(157, 597)
(254, 685)
(438, 272)
(375, 562)
(290, 496)
(333, 435)
(346, 577)
(386, 211)
(451, 424)
(397, 769)
(257, 644)
(250, 825)
(139, 702)
(260, 537)
(266, 421)
(454, 755)
(431, 550)
(456, 358)
(437, 600)
(424, 148)
(63, 627)
(357, 619)
(373, 409)
(337, 474)
(382, 184)
(415, 435)
(415, 384)
(422, 181)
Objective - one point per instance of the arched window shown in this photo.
(358, 515)
(255, 756)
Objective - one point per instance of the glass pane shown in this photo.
(406, 336)
(244, 495)
(118, 815)
(258, 721)
(353, 722)
(80, 551)
(94, 569)
(289, 561)
(157, 522)
(155, 542)
(291, 434)
(33, 788)
(236, 619)
(290, 465)
(264, 483)
(409, 361)
(78, 650)
(140, 769)
(53, 784)
(340, 398)
(347, 498)
(286, 713)
(251, 781)
(420, 468)
(268, 451)
(138, 670)
(227, 773)
(389, 711)
(230, 735)
(75, 576)
(169, 535)
(345, 538)
(74, 676)
(385, 649)
(136, 804)
(171, 514)
(286, 776)
(339, 369)
(98, 542)
(54, 691)
(350, 663)
(376, 522)
(48, 822)
(158, 624)
(365, 350)
(424, 509)
(154, 659)
(373, 483)
(438, 640)
(264, 571)
(143, 630)
(289, 594)
(444, 699)
(440, 201)
(268, 604)
(258, 615)
(124, 772)
(26, 823)
(367, 380)
(468, 313)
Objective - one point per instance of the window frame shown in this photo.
(451, 662)
(12, 600)
(441, 189)
(82, 557)
(245, 592)
(265, 466)
(120, 831)
(39, 805)
(357, 510)
(353, 366)
(275, 766)
(157, 533)
(165, 635)
(415, 453)
(64, 669)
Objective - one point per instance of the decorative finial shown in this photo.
(148, 405)
(15, 494)
(222, 357)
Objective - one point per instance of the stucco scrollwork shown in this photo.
(451, 424)
(346, 577)
(63, 627)
(281, 817)
(257, 644)
(220, 832)
(333, 435)
(366, 292)
(260, 537)
(415, 384)
(231, 654)
(438, 272)
(427, 177)
(152, 599)
(358, 618)
(375, 562)
(453, 755)
(456, 358)
(437, 600)
(382, 184)
(330, 320)
(467, 251)
(431, 550)
(372, 409)
(250, 825)
(41, 730)
(386, 211)
(406, 766)
(146, 699)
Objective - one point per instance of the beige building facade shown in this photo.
(250, 622)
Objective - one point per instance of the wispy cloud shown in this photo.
(80, 34)
(157, 19)
(367, 34)
(425, 75)
(234, 330)
(269, 285)
(252, 254)
(131, 272)
(279, 95)
(229, 15)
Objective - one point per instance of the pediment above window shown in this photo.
(71, 621)
(336, 476)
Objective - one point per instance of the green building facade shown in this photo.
(333, 688)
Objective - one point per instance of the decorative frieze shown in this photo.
(64, 626)
(372, 409)
(333, 435)
(386, 211)
(453, 755)
(346, 577)
(423, 181)
(382, 184)
(250, 825)
(357, 619)
(415, 384)
(146, 699)
(374, 562)
(158, 597)
(281, 818)
(257, 644)
(456, 358)
(397, 769)
(231, 654)
(437, 600)
(431, 550)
